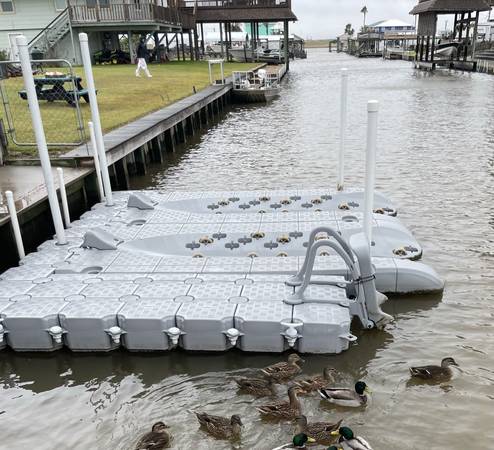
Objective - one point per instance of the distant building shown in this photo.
(485, 31)
(394, 26)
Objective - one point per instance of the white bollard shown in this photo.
(63, 196)
(93, 103)
(370, 166)
(27, 73)
(343, 126)
(97, 167)
(15, 224)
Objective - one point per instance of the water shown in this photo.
(436, 160)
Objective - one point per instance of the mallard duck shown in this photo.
(284, 371)
(283, 410)
(347, 397)
(156, 439)
(321, 432)
(300, 441)
(221, 427)
(317, 382)
(259, 387)
(443, 371)
(348, 441)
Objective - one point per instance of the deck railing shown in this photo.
(236, 3)
(120, 13)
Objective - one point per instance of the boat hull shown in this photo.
(256, 95)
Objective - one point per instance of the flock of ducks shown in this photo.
(334, 435)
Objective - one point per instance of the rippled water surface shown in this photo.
(436, 160)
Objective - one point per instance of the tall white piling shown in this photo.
(343, 126)
(370, 166)
(63, 196)
(39, 134)
(97, 167)
(15, 224)
(93, 102)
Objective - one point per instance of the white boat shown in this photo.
(256, 87)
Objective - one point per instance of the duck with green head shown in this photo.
(347, 397)
(300, 441)
(348, 441)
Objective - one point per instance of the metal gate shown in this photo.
(62, 100)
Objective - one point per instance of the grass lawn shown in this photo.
(122, 98)
(318, 43)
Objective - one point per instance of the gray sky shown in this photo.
(319, 19)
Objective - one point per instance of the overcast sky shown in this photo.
(319, 19)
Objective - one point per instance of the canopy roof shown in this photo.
(391, 23)
(451, 6)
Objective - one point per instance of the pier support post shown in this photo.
(287, 38)
(93, 103)
(15, 224)
(156, 150)
(343, 124)
(370, 166)
(122, 174)
(63, 197)
(170, 140)
(39, 132)
(140, 161)
(97, 167)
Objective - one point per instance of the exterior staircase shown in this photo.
(49, 37)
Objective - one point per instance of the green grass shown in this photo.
(122, 98)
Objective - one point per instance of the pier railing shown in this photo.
(123, 13)
(236, 3)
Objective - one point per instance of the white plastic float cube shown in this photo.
(148, 324)
(262, 323)
(325, 329)
(386, 275)
(92, 325)
(4, 304)
(207, 325)
(34, 325)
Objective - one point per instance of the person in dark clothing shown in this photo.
(142, 53)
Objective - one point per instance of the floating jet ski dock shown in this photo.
(263, 271)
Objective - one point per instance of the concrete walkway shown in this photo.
(27, 184)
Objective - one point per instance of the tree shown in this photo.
(349, 30)
(364, 11)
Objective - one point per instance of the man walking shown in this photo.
(142, 53)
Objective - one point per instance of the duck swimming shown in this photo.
(157, 439)
(283, 410)
(317, 382)
(347, 397)
(348, 441)
(221, 427)
(284, 371)
(321, 432)
(442, 372)
(300, 441)
(258, 387)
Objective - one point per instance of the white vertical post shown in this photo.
(97, 167)
(39, 133)
(210, 72)
(343, 126)
(222, 72)
(93, 102)
(63, 196)
(15, 224)
(370, 166)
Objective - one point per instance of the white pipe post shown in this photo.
(370, 166)
(39, 133)
(15, 224)
(93, 102)
(97, 167)
(63, 196)
(343, 126)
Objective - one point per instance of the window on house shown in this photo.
(6, 6)
(60, 5)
